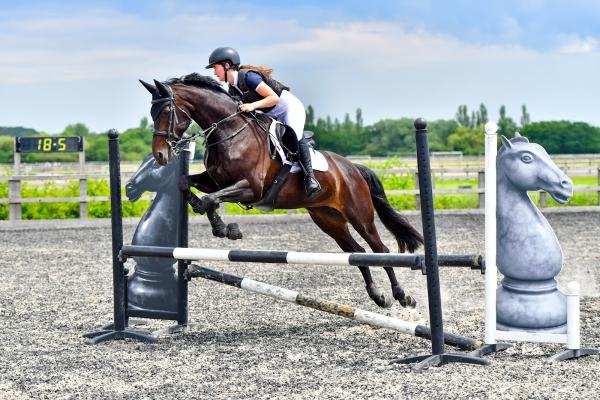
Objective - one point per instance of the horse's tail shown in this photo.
(408, 238)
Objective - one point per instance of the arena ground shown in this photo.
(56, 284)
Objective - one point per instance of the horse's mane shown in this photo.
(200, 81)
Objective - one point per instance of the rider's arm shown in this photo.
(255, 83)
(270, 97)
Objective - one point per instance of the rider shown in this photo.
(259, 91)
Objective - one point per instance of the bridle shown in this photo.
(178, 142)
(163, 102)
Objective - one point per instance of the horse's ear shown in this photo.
(521, 137)
(505, 142)
(149, 87)
(162, 89)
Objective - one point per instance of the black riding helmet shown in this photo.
(223, 54)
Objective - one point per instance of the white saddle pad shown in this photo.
(319, 163)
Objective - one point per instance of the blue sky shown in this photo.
(66, 62)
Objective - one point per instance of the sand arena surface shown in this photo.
(56, 284)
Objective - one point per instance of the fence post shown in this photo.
(83, 212)
(481, 185)
(598, 184)
(14, 188)
(417, 196)
(14, 195)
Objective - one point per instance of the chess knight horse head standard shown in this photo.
(529, 255)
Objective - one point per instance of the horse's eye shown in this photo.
(527, 158)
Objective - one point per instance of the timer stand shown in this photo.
(45, 145)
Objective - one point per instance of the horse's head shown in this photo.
(150, 177)
(527, 166)
(170, 120)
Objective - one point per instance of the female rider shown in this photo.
(263, 93)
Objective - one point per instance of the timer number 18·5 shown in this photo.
(45, 144)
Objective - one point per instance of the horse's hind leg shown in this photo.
(333, 223)
(366, 228)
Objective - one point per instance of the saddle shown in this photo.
(286, 137)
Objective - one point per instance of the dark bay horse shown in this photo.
(240, 169)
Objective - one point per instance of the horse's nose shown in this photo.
(565, 183)
(160, 157)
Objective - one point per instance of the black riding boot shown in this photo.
(311, 185)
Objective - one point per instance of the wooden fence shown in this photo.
(15, 199)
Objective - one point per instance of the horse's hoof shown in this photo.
(233, 231)
(408, 302)
(199, 210)
(197, 205)
(379, 298)
(219, 231)
(403, 299)
(412, 303)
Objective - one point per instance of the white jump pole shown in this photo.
(490, 232)
(491, 270)
(573, 324)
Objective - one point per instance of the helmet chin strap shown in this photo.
(226, 69)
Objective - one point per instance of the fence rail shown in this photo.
(15, 199)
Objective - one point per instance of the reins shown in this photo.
(181, 141)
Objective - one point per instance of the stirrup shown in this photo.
(311, 186)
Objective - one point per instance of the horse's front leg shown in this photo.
(238, 192)
(202, 182)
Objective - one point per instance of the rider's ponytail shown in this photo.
(263, 69)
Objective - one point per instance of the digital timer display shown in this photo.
(48, 144)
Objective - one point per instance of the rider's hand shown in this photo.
(247, 107)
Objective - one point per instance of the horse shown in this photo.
(239, 169)
(529, 254)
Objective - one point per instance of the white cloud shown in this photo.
(384, 47)
(576, 45)
(112, 45)
(384, 68)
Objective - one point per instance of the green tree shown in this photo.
(359, 119)
(347, 126)
(506, 126)
(17, 131)
(144, 123)
(525, 119)
(96, 148)
(462, 116)
(310, 116)
(391, 136)
(439, 131)
(564, 137)
(136, 144)
(482, 115)
(469, 141)
(77, 129)
(6, 149)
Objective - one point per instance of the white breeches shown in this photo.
(290, 111)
